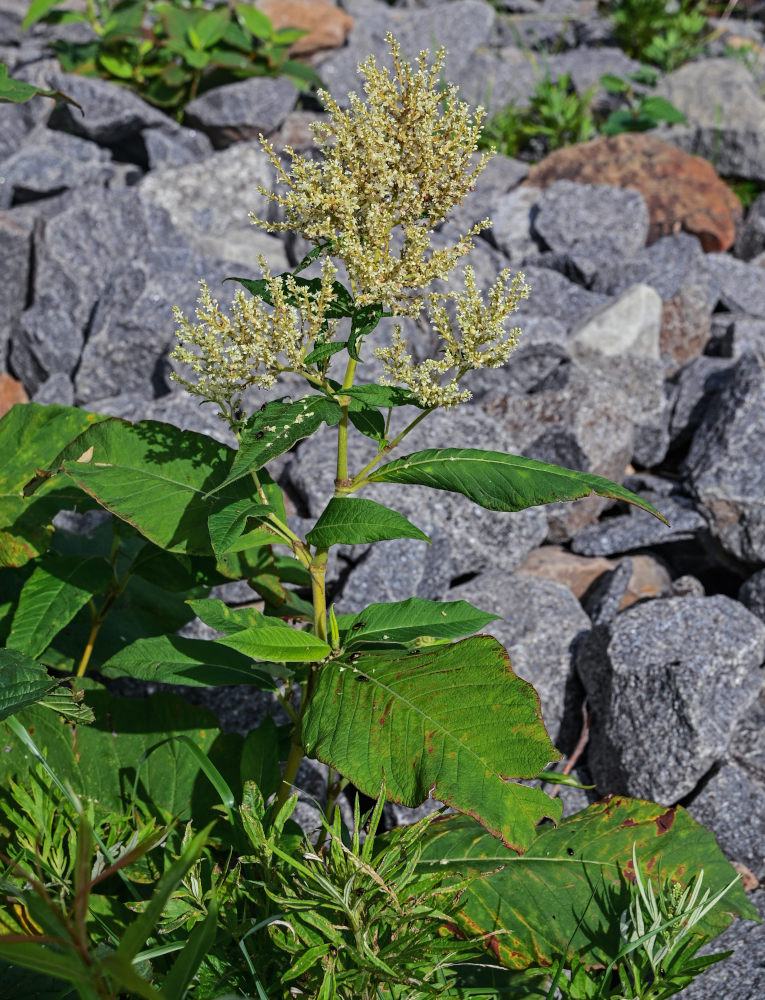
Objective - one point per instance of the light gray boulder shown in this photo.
(638, 529)
(240, 112)
(628, 325)
(667, 682)
(736, 284)
(569, 214)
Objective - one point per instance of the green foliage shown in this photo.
(169, 52)
(14, 91)
(660, 32)
(643, 111)
(147, 853)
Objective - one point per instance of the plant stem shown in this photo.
(318, 571)
(342, 430)
(359, 479)
(290, 769)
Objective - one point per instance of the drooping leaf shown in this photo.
(402, 622)
(31, 436)
(367, 419)
(218, 615)
(51, 598)
(102, 761)
(455, 723)
(274, 430)
(501, 482)
(565, 895)
(14, 91)
(273, 642)
(354, 520)
(23, 682)
(154, 476)
(238, 524)
(173, 659)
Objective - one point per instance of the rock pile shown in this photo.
(643, 359)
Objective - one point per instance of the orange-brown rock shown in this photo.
(11, 392)
(685, 327)
(326, 24)
(552, 562)
(682, 191)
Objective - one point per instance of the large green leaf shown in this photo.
(564, 896)
(498, 481)
(402, 622)
(172, 659)
(455, 723)
(235, 525)
(275, 429)
(31, 436)
(22, 682)
(51, 598)
(218, 615)
(353, 521)
(102, 761)
(154, 476)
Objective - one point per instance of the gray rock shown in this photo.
(132, 328)
(687, 586)
(15, 251)
(541, 623)
(725, 113)
(667, 265)
(178, 408)
(16, 122)
(495, 79)
(57, 390)
(742, 976)
(737, 285)
(627, 325)
(639, 529)
(575, 421)
(686, 326)
(76, 253)
(501, 175)
(586, 65)
(752, 594)
(745, 335)
(112, 114)
(553, 295)
(49, 163)
(570, 213)
(732, 804)
(725, 460)
(667, 682)
(694, 386)
(539, 362)
(398, 569)
(209, 203)
(554, 27)
(468, 26)
(174, 146)
(511, 218)
(750, 241)
(602, 600)
(241, 111)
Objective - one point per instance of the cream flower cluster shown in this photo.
(256, 343)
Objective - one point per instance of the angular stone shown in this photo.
(15, 252)
(556, 296)
(732, 804)
(639, 529)
(577, 422)
(666, 683)
(495, 78)
(539, 362)
(327, 24)
(685, 326)
(667, 265)
(729, 129)
(751, 238)
(585, 65)
(112, 114)
(541, 622)
(681, 191)
(51, 162)
(726, 463)
(240, 112)
(628, 325)
(569, 214)
(752, 594)
(606, 597)
(511, 222)
(17, 121)
(174, 146)
(737, 285)
(695, 385)
(209, 203)
(58, 390)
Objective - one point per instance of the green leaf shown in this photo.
(51, 598)
(116, 66)
(353, 521)
(218, 615)
(176, 983)
(501, 482)
(614, 84)
(255, 21)
(261, 288)
(367, 420)
(403, 622)
(382, 395)
(565, 895)
(31, 436)
(364, 320)
(211, 27)
(238, 524)
(273, 642)
(23, 682)
(29, 954)
(259, 761)
(154, 476)
(325, 350)
(661, 109)
(275, 429)
(313, 255)
(37, 10)
(102, 761)
(173, 659)
(455, 723)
